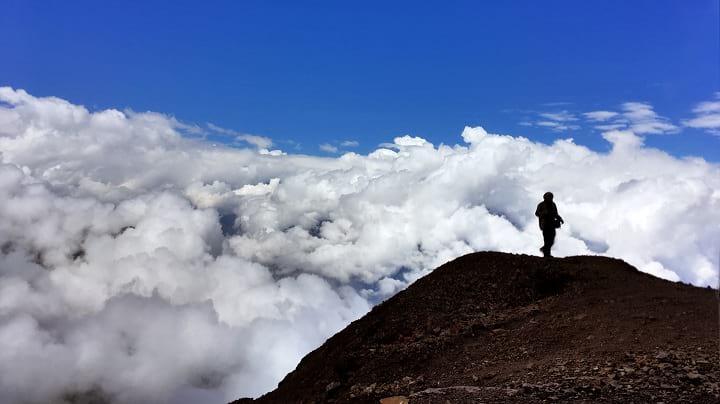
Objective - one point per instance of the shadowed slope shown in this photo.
(515, 328)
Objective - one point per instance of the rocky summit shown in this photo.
(494, 328)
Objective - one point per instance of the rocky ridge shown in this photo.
(494, 327)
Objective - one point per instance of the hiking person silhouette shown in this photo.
(547, 214)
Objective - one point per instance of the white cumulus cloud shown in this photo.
(154, 267)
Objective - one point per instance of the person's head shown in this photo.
(548, 196)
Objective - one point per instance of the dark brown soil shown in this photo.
(493, 327)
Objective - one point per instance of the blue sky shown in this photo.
(315, 72)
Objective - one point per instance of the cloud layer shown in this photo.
(149, 266)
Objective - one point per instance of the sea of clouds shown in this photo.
(143, 263)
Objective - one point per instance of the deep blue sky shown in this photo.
(326, 71)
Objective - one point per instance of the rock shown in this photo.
(527, 387)
(331, 387)
(395, 400)
(694, 377)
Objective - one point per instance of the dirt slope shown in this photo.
(494, 327)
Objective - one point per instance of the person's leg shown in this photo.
(549, 239)
(552, 241)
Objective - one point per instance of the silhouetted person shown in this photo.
(547, 214)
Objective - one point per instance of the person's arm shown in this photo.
(555, 213)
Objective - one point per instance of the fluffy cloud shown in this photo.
(707, 116)
(146, 266)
